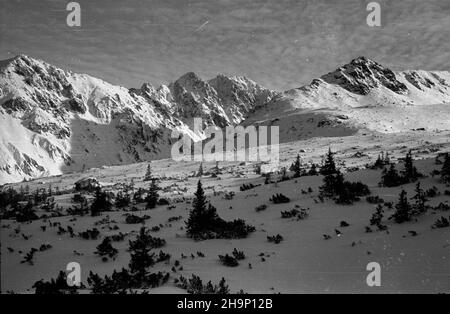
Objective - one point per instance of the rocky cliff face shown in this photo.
(54, 121)
(220, 101)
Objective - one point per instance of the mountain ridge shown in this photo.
(361, 96)
(55, 121)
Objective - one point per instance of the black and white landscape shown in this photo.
(60, 127)
(358, 200)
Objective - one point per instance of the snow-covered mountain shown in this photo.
(362, 96)
(54, 121)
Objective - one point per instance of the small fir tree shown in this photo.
(106, 249)
(198, 211)
(328, 164)
(410, 173)
(390, 178)
(152, 196)
(101, 203)
(377, 216)
(141, 258)
(148, 174)
(403, 209)
(420, 199)
(297, 167)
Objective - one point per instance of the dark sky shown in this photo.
(279, 43)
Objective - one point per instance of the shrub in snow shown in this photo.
(196, 286)
(275, 239)
(133, 219)
(105, 249)
(55, 286)
(441, 223)
(239, 255)
(90, 234)
(374, 200)
(279, 199)
(261, 207)
(228, 260)
(205, 223)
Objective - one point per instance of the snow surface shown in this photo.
(303, 262)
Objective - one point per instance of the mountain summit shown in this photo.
(361, 75)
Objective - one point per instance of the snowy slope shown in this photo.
(302, 263)
(362, 95)
(54, 121)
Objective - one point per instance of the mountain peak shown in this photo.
(362, 60)
(362, 75)
(188, 77)
(21, 58)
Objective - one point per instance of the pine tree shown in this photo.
(106, 249)
(339, 188)
(410, 173)
(223, 287)
(201, 215)
(296, 167)
(445, 172)
(152, 196)
(379, 163)
(26, 213)
(403, 209)
(390, 178)
(101, 203)
(377, 216)
(148, 175)
(122, 199)
(420, 198)
(328, 189)
(328, 164)
(141, 258)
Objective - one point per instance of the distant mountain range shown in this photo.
(54, 121)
